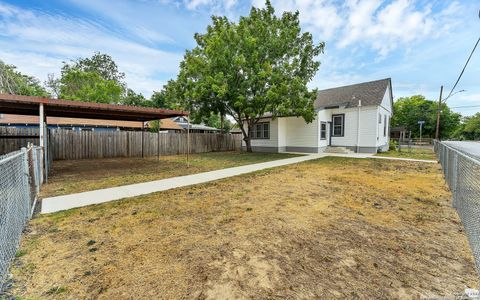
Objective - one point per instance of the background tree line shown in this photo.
(94, 79)
(407, 111)
(260, 64)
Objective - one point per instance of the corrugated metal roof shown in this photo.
(27, 105)
(33, 120)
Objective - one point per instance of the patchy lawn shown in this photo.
(416, 153)
(330, 228)
(74, 176)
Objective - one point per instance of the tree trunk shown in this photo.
(248, 143)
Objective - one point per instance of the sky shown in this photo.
(420, 44)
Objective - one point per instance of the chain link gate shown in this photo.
(21, 175)
(462, 174)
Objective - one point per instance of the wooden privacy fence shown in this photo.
(67, 144)
(13, 139)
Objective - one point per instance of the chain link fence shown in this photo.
(20, 178)
(462, 173)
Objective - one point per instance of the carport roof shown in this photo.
(28, 105)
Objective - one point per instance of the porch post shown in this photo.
(358, 125)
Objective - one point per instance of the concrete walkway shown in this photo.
(54, 204)
(59, 203)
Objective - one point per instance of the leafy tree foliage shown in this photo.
(260, 64)
(469, 129)
(168, 97)
(89, 86)
(135, 99)
(14, 82)
(408, 111)
(94, 79)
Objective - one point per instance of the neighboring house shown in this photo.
(197, 128)
(398, 133)
(22, 121)
(236, 130)
(354, 117)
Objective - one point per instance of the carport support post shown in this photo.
(158, 141)
(143, 132)
(41, 132)
(188, 141)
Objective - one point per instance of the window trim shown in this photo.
(343, 125)
(254, 132)
(323, 130)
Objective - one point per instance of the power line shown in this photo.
(463, 70)
(466, 106)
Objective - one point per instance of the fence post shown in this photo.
(26, 185)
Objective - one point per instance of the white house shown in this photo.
(354, 117)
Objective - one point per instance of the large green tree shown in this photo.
(168, 97)
(407, 111)
(94, 79)
(134, 99)
(469, 129)
(14, 82)
(261, 64)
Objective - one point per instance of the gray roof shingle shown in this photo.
(371, 93)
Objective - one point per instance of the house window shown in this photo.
(260, 131)
(379, 118)
(385, 126)
(338, 123)
(323, 130)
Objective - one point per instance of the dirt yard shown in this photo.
(74, 176)
(330, 228)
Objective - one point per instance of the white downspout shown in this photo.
(358, 125)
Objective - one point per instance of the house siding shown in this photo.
(267, 145)
(301, 133)
(295, 135)
(385, 109)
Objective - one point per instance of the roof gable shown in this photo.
(370, 93)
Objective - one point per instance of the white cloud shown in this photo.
(380, 25)
(216, 6)
(319, 16)
(385, 27)
(38, 42)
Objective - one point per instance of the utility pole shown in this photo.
(437, 132)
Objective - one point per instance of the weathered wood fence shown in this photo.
(67, 144)
(13, 139)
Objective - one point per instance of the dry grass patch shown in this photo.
(415, 153)
(330, 228)
(74, 176)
